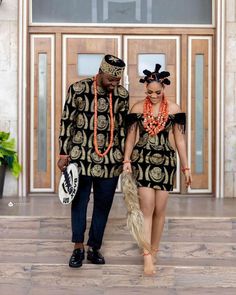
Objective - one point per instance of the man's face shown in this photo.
(109, 82)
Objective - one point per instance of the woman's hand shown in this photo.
(127, 167)
(188, 177)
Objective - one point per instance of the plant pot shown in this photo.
(2, 178)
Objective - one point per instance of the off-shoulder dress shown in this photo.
(153, 158)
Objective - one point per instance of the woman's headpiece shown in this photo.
(160, 77)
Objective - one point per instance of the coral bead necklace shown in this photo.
(96, 122)
(152, 125)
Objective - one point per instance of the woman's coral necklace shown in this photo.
(96, 121)
(152, 125)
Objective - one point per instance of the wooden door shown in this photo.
(82, 56)
(200, 110)
(191, 88)
(57, 60)
(42, 113)
(49, 62)
(143, 52)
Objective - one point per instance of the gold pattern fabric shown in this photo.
(153, 158)
(113, 66)
(77, 134)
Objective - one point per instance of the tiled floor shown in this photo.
(177, 207)
(197, 253)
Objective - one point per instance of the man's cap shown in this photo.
(112, 65)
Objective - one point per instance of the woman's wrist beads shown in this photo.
(126, 161)
(184, 169)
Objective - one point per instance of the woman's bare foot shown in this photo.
(154, 254)
(149, 268)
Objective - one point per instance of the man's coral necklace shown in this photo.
(96, 122)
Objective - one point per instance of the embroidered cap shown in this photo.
(112, 65)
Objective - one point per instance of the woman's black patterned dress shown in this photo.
(153, 158)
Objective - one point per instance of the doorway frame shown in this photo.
(23, 68)
(176, 38)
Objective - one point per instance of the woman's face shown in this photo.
(155, 92)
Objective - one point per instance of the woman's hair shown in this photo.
(160, 77)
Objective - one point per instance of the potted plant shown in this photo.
(8, 158)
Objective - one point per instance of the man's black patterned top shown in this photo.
(77, 128)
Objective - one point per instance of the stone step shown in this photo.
(7, 289)
(176, 229)
(197, 256)
(136, 260)
(117, 276)
(178, 206)
(53, 251)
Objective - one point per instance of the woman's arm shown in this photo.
(132, 128)
(129, 145)
(179, 137)
(130, 141)
(181, 146)
(182, 151)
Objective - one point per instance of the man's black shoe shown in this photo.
(95, 256)
(77, 258)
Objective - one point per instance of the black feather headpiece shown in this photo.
(160, 77)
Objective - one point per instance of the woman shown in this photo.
(152, 159)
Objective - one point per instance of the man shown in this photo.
(92, 135)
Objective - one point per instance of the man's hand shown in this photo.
(63, 162)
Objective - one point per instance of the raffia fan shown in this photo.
(134, 214)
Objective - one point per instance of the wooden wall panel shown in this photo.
(150, 46)
(77, 44)
(42, 179)
(69, 45)
(166, 45)
(201, 46)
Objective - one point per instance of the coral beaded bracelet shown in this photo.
(126, 161)
(184, 169)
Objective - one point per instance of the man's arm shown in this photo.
(66, 127)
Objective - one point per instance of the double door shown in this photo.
(57, 60)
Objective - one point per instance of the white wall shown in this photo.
(8, 77)
(8, 87)
(230, 100)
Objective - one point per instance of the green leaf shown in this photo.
(16, 167)
(4, 136)
(8, 155)
(8, 145)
